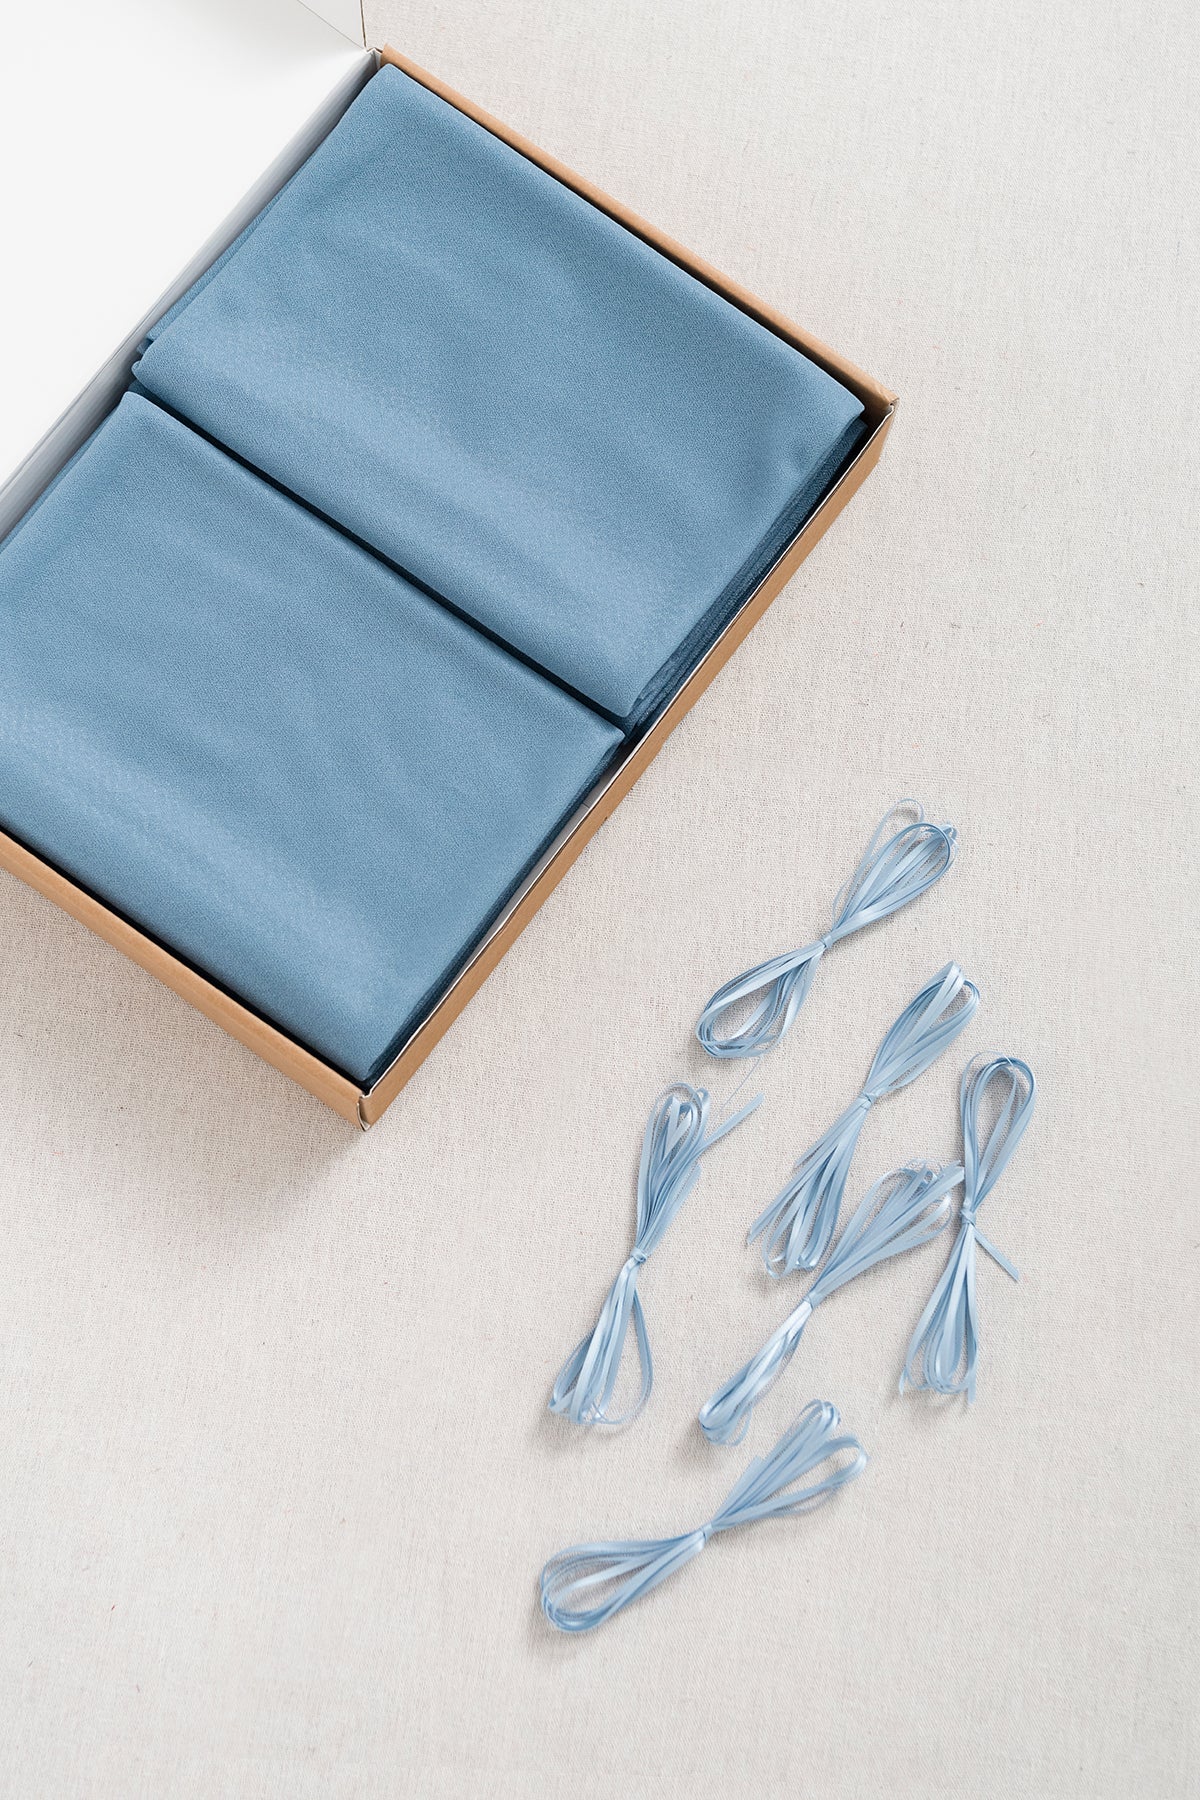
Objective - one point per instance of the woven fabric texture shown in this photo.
(279, 1477)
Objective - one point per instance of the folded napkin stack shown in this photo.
(261, 745)
(428, 495)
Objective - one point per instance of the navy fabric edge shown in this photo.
(791, 521)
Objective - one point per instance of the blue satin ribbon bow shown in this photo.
(797, 1227)
(674, 1142)
(622, 1571)
(903, 1210)
(944, 1350)
(891, 873)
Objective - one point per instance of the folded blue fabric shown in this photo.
(550, 425)
(264, 747)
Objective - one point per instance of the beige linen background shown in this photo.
(278, 1478)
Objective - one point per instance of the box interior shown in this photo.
(101, 394)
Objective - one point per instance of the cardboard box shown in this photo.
(364, 1107)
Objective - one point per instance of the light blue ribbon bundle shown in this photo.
(944, 1350)
(622, 1571)
(797, 1227)
(893, 871)
(675, 1141)
(903, 1210)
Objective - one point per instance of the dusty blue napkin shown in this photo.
(550, 425)
(261, 745)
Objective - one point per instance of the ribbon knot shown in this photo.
(798, 1226)
(584, 1586)
(894, 870)
(903, 1210)
(676, 1137)
(944, 1351)
(969, 1221)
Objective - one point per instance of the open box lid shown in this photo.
(130, 140)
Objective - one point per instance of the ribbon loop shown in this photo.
(890, 875)
(944, 1351)
(584, 1586)
(902, 1211)
(676, 1138)
(799, 1224)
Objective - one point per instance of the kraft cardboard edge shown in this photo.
(268, 1043)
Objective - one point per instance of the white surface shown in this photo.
(126, 138)
(278, 1479)
(345, 15)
